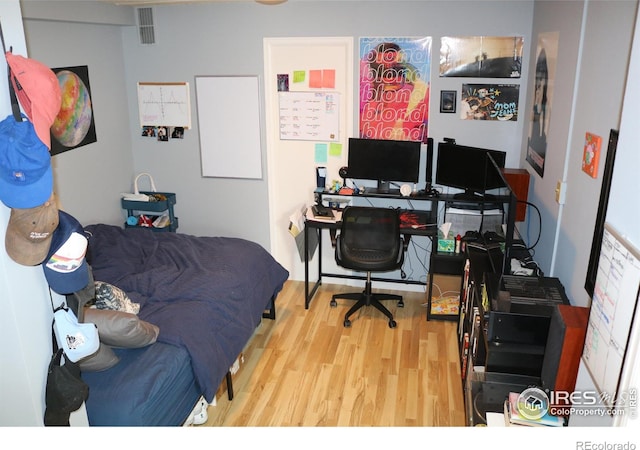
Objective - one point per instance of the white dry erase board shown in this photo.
(229, 126)
(612, 309)
(164, 104)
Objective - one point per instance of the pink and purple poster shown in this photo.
(394, 88)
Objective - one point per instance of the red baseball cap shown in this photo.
(38, 92)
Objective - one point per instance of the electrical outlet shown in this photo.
(561, 192)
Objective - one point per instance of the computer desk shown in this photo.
(425, 225)
(428, 227)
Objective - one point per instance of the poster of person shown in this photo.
(546, 60)
(481, 56)
(394, 88)
(489, 102)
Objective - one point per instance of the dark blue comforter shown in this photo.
(206, 294)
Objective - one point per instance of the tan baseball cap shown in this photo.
(30, 231)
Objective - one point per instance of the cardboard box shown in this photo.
(445, 294)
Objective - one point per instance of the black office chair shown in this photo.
(370, 241)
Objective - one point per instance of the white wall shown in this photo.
(593, 49)
(625, 218)
(89, 179)
(565, 18)
(25, 301)
(607, 35)
(226, 39)
(25, 321)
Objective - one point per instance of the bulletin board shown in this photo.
(229, 126)
(612, 310)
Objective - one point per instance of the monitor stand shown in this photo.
(384, 188)
(472, 196)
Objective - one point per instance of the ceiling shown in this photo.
(169, 2)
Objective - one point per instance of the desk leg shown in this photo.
(429, 293)
(306, 267)
(319, 231)
(308, 294)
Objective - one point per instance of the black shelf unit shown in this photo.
(155, 207)
(502, 347)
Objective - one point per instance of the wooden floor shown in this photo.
(306, 369)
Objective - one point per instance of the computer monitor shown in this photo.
(468, 168)
(384, 161)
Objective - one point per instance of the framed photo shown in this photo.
(448, 101)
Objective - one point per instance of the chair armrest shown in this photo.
(405, 239)
(333, 237)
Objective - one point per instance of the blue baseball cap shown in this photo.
(26, 177)
(65, 267)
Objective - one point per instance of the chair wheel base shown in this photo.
(392, 324)
(347, 323)
(333, 303)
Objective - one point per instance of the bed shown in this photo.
(206, 295)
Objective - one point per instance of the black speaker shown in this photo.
(321, 177)
(429, 169)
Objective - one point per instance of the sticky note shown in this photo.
(321, 153)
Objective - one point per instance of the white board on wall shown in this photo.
(164, 104)
(614, 301)
(229, 126)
